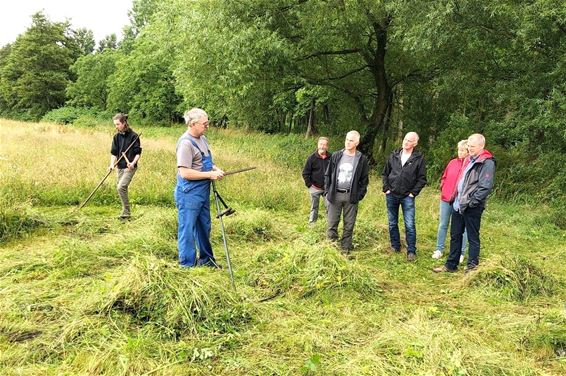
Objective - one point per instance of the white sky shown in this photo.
(103, 17)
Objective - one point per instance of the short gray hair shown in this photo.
(463, 144)
(479, 138)
(414, 134)
(193, 115)
(356, 135)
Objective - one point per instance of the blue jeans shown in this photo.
(407, 203)
(470, 221)
(443, 222)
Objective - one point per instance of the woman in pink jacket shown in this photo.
(447, 187)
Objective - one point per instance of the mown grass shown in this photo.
(83, 293)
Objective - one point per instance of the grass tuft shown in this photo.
(254, 226)
(180, 300)
(17, 222)
(306, 272)
(514, 278)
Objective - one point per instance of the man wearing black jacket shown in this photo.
(345, 184)
(404, 175)
(313, 174)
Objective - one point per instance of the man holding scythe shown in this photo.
(195, 171)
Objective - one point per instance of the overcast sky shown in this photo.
(103, 17)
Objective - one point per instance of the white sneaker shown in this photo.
(461, 259)
(437, 254)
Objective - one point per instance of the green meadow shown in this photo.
(82, 293)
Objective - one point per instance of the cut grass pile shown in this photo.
(297, 269)
(178, 300)
(515, 277)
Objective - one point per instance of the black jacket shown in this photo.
(120, 143)
(359, 182)
(315, 167)
(402, 180)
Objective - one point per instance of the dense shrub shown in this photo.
(75, 115)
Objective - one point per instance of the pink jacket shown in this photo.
(450, 179)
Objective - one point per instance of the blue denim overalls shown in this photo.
(192, 198)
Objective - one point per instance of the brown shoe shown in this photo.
(411, 257)
(443, 269)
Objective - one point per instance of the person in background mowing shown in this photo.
(127, 166)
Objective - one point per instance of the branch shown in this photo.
(347, 74)
(290, 6)
(355, 97)
(418, 75)
(324, 53)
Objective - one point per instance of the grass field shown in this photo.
(82, 293)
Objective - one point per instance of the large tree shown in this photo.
(143, 83)
(91, 86)
(36, 71)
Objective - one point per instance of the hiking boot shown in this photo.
(443, 269)
(393, 250)
(437, 254)
(470, 268)
(411, 257)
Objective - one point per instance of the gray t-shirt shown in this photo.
(188, 155)
(345, 171)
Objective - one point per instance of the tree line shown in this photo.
(443, 68)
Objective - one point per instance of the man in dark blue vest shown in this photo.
(195, 170)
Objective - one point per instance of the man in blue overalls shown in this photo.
(195, 170)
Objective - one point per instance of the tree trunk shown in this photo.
(383, 144)
(311, 128)
(383, 99)
(400, 124)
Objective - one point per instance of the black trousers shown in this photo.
(470, 221)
